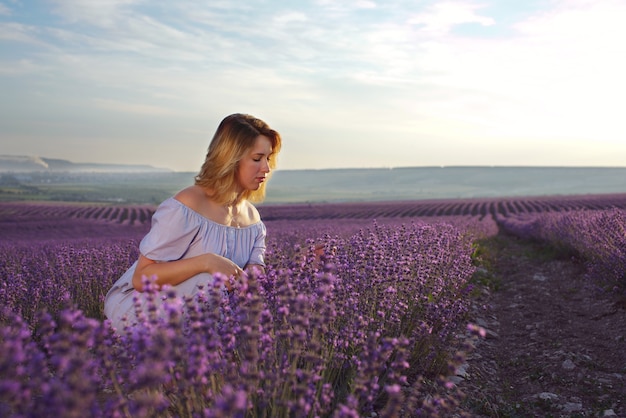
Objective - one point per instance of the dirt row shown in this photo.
(555, 344)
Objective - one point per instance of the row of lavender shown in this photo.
(366, 326)
(482, 207)
(596, 236)
(140, 214)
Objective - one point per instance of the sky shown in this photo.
(354, 83)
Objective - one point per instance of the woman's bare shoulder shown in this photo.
(192, 196)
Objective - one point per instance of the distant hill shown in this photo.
(30, 163)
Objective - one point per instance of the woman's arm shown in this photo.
(176, 272)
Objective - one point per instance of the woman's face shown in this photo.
(254, 166)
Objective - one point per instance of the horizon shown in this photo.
(321, 169)
(328, 184)
(360, 83)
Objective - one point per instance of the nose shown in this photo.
(266, 167)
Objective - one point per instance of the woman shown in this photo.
(210, 227)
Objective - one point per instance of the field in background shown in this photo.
(29, 220)
(120, 188)
(326, 186)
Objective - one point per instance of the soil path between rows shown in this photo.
(555, 345)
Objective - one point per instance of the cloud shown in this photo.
(289, 17)
(336, 8)
(546, 80)
(100, 13)
(441, 17)
(18, 68)
(137, 108)
(22, 33)
(4, 10)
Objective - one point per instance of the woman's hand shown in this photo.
(218, 264)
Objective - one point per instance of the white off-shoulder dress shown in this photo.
(178, 232)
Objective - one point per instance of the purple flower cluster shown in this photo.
(53, 276)
(347, 320)
(596, 236)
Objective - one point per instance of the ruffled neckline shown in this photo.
(211, 221)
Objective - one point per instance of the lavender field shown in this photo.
(376, 325)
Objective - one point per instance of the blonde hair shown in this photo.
(235, 136)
